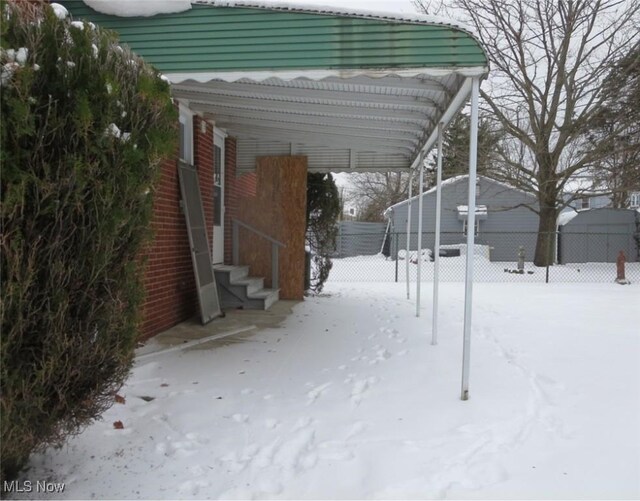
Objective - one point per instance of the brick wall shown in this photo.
(171, 295)
(235, 187)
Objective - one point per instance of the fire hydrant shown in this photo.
(621, 279)
(521, 260)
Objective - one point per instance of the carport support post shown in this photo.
(408, 243)
(436, 246)
(471, 225)
(419, 235)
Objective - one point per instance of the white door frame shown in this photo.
(218, 179)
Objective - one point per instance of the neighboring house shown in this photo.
(349, 212)
(504, 218)
(600, 202)
(598, 235)
(267, 93)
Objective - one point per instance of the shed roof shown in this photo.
(351, 90)
(451, 181)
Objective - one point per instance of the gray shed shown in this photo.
(504, 218)
(598, 235)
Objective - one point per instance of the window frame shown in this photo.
(186, 135)
(465, 223)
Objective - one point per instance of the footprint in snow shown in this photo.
(360, 387)
(317, 392)
(271, 424)
(382, 354)
(191, 488)
(357, 428)
(185, 447)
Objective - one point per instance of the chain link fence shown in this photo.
(499, 257)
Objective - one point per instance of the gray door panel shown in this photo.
(200, 255)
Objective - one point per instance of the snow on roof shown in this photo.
(334, 10)
(134, 8)
(148, 8)
(567, 216)
(450, 181)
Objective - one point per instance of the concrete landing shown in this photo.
(235, 327)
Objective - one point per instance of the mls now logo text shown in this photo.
(29, 486)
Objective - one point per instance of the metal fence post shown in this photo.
(396, 241)
(548, 257)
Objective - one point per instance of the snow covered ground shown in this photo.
(349, 399)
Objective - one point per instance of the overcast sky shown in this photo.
(404, 6)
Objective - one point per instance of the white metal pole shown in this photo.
(436, 246)
(419, 235)
(471, 224)
(408, 243)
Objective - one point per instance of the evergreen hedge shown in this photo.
(85, 124)
(323, 210)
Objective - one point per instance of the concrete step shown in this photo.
(266, 296)
(238, 290)
(251, 284)
(232, 271)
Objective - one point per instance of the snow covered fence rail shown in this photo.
(499, 257)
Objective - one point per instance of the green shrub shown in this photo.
(323, 209)
(84, 126)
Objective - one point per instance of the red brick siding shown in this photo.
(169, 282)
(235, 187)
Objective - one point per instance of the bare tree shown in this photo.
(373, 192)
(619, 170)
(549, 61)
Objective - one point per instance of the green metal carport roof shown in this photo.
(353, 91)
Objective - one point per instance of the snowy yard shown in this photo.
(348, 399)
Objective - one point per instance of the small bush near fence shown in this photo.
(579, 257)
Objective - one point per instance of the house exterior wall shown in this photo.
(509, 223)
(273, 201)
(597, 202)
(170, 288)
(598, 235)
(601, 201)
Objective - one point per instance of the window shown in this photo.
(464, 227)
(634, 200)
(585, 203)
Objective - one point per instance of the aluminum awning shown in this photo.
(352, 90)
